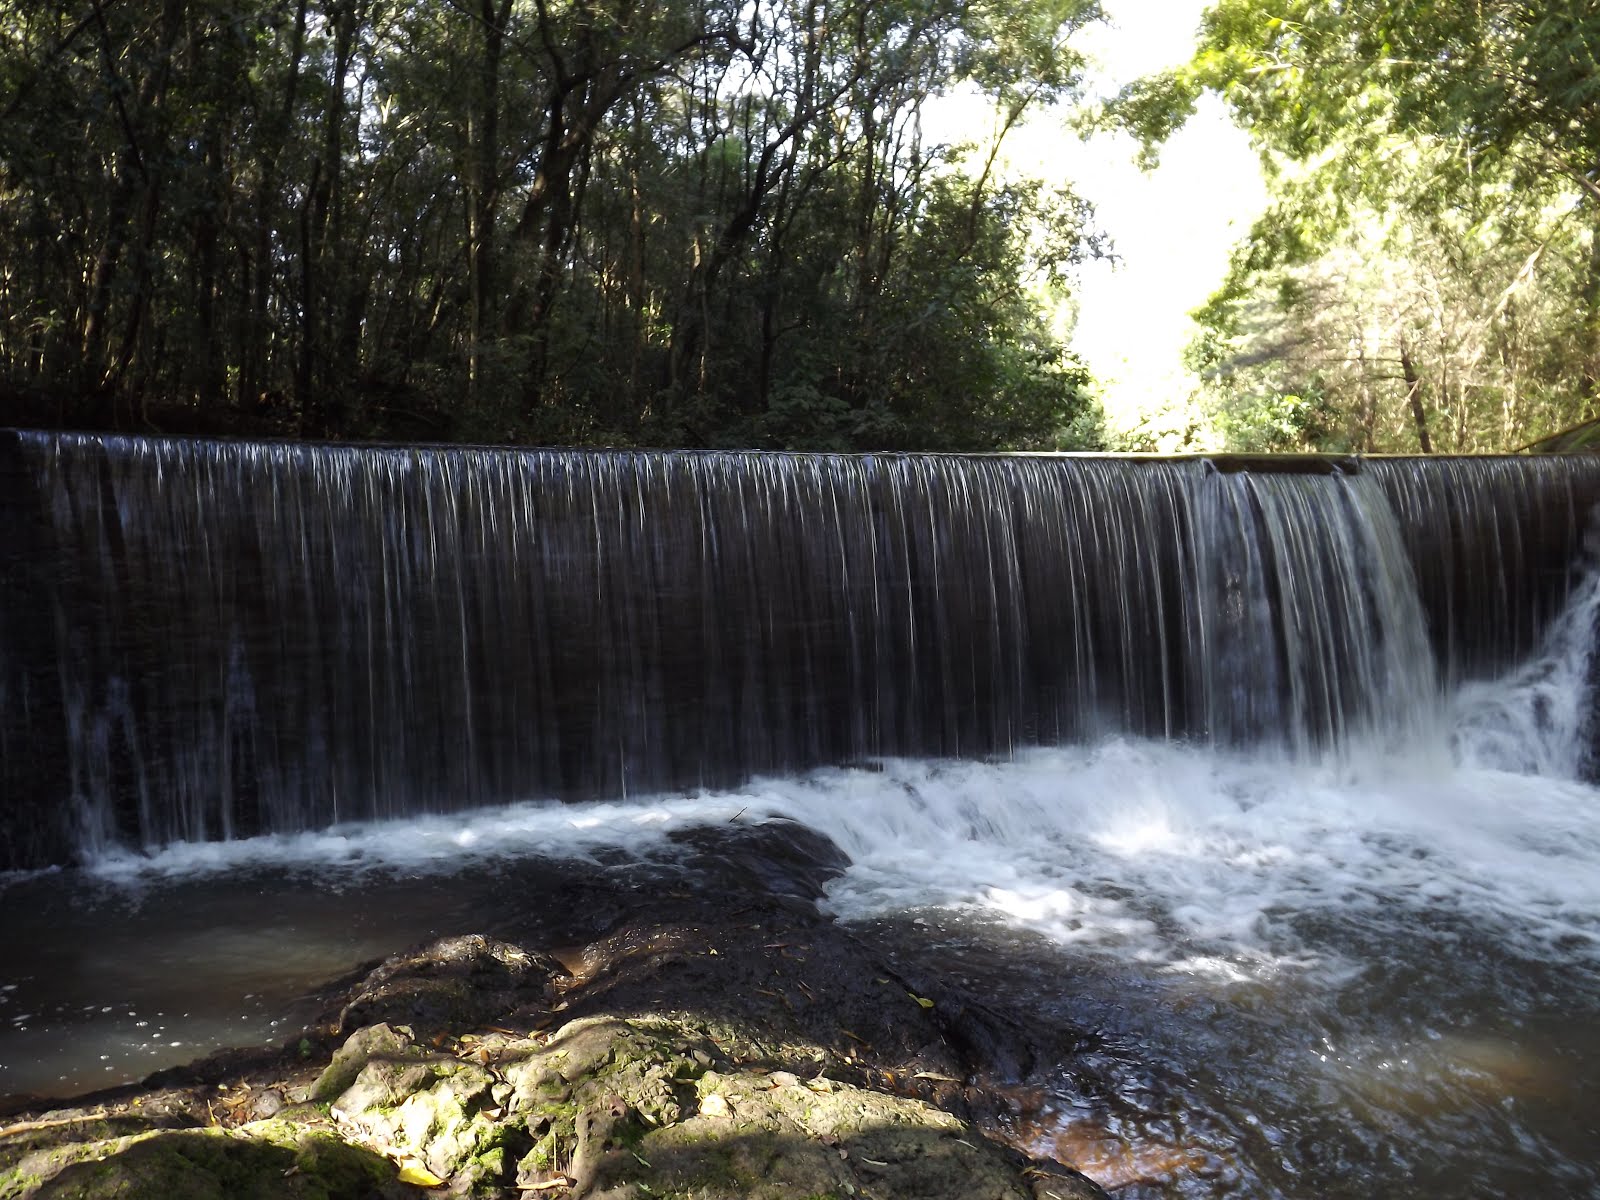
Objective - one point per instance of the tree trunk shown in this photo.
(1589, 379)
(133, 179)
(483, 189)
(256, 353)
(1414, 397)
(321, 232)
(207, 363)
(1367, 415)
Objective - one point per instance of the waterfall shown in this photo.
(205, 640)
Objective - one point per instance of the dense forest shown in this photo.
(700, 222)
(734, 222)
(1427, 277)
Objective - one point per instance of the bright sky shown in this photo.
(1172, 228)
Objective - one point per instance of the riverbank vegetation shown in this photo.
(1427, 277)
(721, 223)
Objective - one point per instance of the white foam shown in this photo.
(1168, 853)
(435, 843)
(1191, 859)
(1197, 860)
(1535, 721)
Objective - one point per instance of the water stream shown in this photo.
(1274, 783)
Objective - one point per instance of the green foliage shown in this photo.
(1429, 270)
(592, 222)
(1473, 324)
(1153, 109)
(1283, 423)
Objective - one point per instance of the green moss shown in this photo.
(345, 1170)
(492, 1163)
(17, 1182)
(274, 1160)
(30, 1162)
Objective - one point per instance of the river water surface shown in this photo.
(1358, 957)
(1355, 976)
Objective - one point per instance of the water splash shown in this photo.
(1539, 720)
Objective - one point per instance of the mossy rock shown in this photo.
(445, 1112)
(632, 1109)
(774, 1137)
(607, 1107)
(376, 1041)
(33, 1153)
(277, 1163)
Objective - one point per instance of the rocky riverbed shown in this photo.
(698, 1045)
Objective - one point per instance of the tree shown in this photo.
(1467, 136)
(1400, 334)
(558, 220)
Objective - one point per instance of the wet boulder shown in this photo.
(455, 983)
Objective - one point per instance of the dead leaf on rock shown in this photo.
(414, 1173)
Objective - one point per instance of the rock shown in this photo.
(455, 983)
(267, 1104)
(748, 1137)
(715, 1105)
(624, 1109)
(781, 1069)
(376, 1041)
(649, 1062)
(434, 1108)
(269, 1161)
